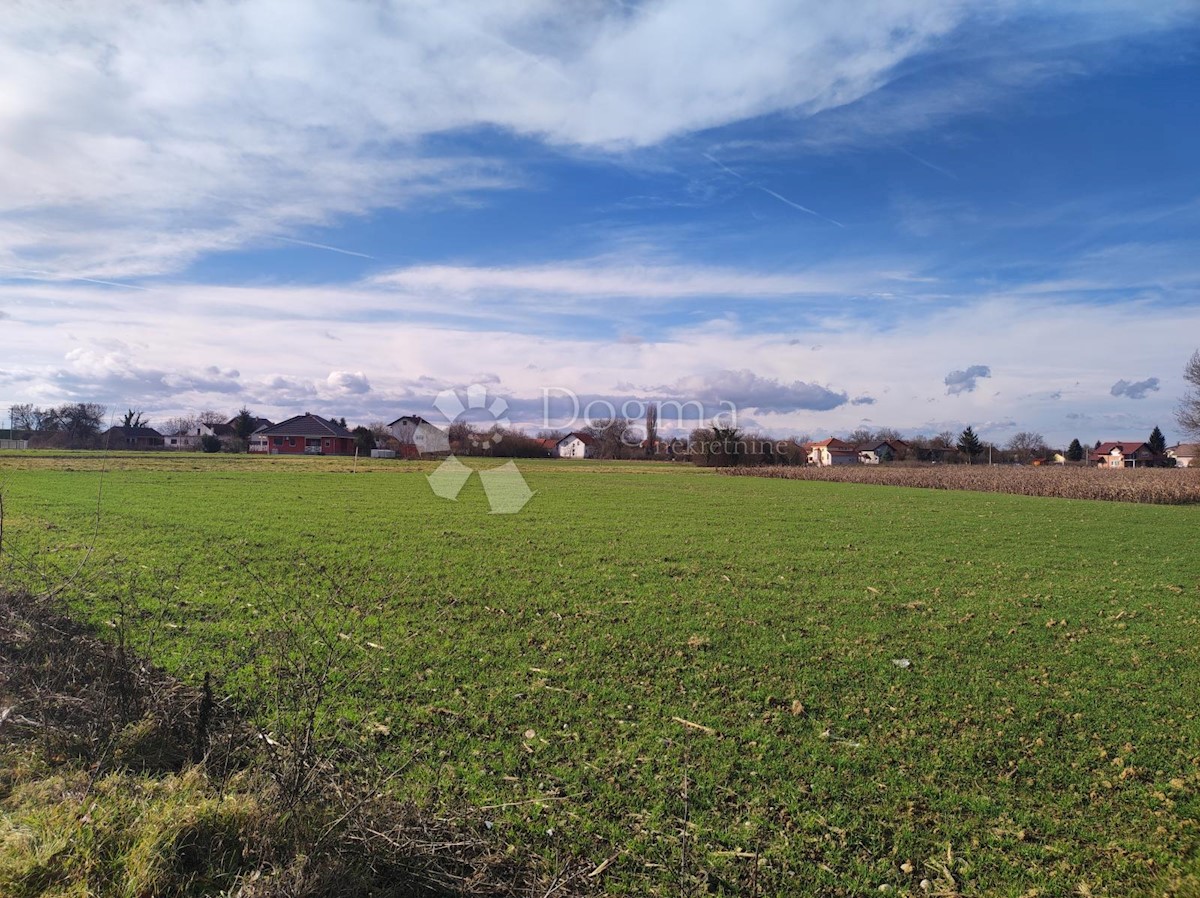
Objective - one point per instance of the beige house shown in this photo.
(831, 452)
(1186, 455)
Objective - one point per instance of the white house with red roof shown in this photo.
(831, 452)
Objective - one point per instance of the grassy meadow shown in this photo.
(690, 677)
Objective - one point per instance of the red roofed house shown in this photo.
(308, 435)
(831, 452)
(1123, 455)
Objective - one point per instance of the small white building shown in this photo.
(426, 438)
(576, 445)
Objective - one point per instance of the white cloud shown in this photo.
(604, 278)
(347, 382)
(89, 343)
(135, 137)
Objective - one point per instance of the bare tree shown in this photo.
(1188, 414)
(26, 418)
(613, 437)
(180, 424)
(1026, 444)
(134, 419)
(208, 417)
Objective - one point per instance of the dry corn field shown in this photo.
(1161, 486)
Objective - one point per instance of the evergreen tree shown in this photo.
(969, 444)
(1157, 442)
(1075, 451)
(243, 425)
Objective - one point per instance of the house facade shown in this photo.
(415, 431)
(1123, 455)
(132, 438)
(576, 445)
(831, 452)
(1186, 455)
(190, 440)
(258, 439)
(881, 451)
(308, 434)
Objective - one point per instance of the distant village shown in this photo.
(79, 426)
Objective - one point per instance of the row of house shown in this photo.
(310, 434)
(1132, 454)
(1126, 454)
(833, 451)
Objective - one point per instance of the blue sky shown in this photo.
(918, 214)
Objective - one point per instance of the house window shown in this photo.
(291, 441)
(277, 440)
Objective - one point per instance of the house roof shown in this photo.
(874, 445)
(259, 424)
(133, 432)
(307, 425)
(1126, 448)
(832, 443)
(223, 430)
(547, 442)
(411, 418)
(1185, 450)
(584, 438)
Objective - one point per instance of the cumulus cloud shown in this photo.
(115, 376)
(863, 400)
(1137, 389)
(965, 381)
(348, 382)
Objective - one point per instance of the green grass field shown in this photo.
(1043, 741)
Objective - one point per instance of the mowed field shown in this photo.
(539, 670)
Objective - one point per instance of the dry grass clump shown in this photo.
(1161, 486)
(116, 780)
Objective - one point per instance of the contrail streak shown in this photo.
(723, 166)
(55, 275)
(928, 164)
(332, 249)
(783, 199)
